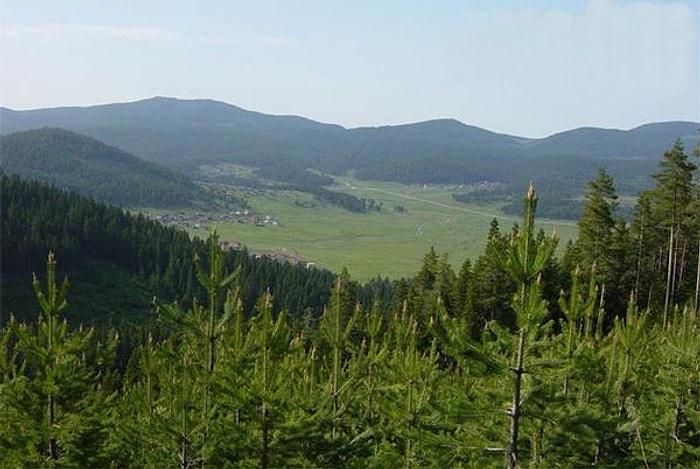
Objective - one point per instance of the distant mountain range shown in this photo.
(184, 134)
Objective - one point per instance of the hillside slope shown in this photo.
(120, 262)
(92, 168)
(648, 141)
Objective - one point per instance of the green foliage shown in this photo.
(416, 377)
(100, 245)
(524, 261)
(493, 288)
(91, 168)
(55, 394)
(558, 208)
(665, 221)
(346, 201)
(603, 248)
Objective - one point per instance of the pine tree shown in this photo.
(213, 280)
(272, 340)
(602, 243)
(524, 261)
(464, 298)
(339, 353)
(52, 402)
(493, 288)
(671, 200)
(646, 245)
(670, 409)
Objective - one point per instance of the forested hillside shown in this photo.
(89, 167)
(121, 262)
(516, 359)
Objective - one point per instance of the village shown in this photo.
(204, 220)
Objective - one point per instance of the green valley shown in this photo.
(205, 354)
(389, 243)
(350, 235)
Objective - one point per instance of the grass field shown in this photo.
(386, 243)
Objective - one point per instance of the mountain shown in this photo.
(90, 167)
(185, 134)
(157, 112)
(648, 141)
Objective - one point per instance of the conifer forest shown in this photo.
(531, 355)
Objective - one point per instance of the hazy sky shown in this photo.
(527, 67)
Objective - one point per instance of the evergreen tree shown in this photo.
(465, 298)
(213, 280)
(597, 220)
(53, 401)
(493, 288)
(524, 261)
(669, 212)
(602, 244)
(674, 416)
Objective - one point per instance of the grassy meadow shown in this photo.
(388, 243)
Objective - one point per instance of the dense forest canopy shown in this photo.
(594, 356)
(88, 166)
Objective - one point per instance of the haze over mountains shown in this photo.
(184, 134)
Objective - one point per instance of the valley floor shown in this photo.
(389, 243)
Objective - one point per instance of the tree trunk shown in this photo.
(512, 450)
(669, 276)
(265, 456)
(53, 450)
(51, 401)
(638, 270)
(184, 456)
(211, 350)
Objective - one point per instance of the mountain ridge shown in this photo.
(184, 134)
(172, 101)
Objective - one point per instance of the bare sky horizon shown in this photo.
(529, 68)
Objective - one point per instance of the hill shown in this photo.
(185, 134)
(647, 142)
(92, 168)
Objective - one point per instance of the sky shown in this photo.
(529, 68)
